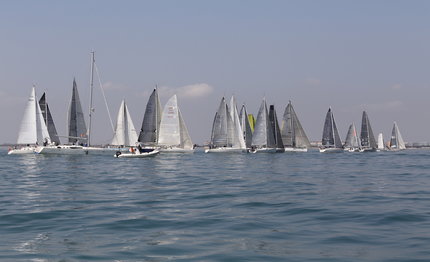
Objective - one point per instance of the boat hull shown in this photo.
(136, 154)
(367, 149)
(175, 150)
(267, 150)
(295, 149)
(62, 150)
(225, 150)
(331, 150)
(105, 150)
(23, 150)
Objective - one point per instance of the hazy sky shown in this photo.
(350, 55)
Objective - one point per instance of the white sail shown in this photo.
(246, 127)
(396, 141)
(186, 142)
(263, 136)
(381, 145)
(125, 133)
(238, 133)
(33, 129)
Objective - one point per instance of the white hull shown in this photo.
(175, 150)
(295, 149)
(331, 150)
(352, 149)
(22, 150)
(62, 150)
(367, 149)
(225, 150)
(266, 150)
(105, 150)
(136, 154)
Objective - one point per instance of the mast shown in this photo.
(90, 110)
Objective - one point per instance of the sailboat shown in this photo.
(273, 118)
(246, 127)
(381, 143)
(33, 131)
(77, 135)
(173, 135)
(263, 138)
(396, 142)
(225, 137)
(293, 134)
(368, 142)
(125, 133)
(352, 143)
(49, 121)
(331, 142)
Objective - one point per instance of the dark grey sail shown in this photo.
(330, 136)
(246, 127)
(77, 127)
(366, 136)
(151, 121)
(293, 134)
(220, 130)
(49, 121)
(273, 118)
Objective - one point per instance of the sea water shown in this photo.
(216, 207)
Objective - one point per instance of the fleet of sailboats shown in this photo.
(165, 130)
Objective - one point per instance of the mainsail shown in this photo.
(77, 127)
(150, 129)
(396, 141)
(263, 136)
(246, 127)
(49, 121)
(273, 118)
(173, 132)
(125, 133)
(351, 140)
(330, 136)
(293, 134)
(366, 136)
(33, 129)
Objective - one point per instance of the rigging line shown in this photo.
(104, 97)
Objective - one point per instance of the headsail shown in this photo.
(293, 134)
(396, 141)
(246, 127)
(381, 144)
(238, 132)
(150, 129)
(77, 127)
(367, 138)
(49, 121)
(330, 136)
(33, 129)
(125, 133)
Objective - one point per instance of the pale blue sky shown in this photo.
(350, 55)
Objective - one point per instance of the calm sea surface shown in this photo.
(216, 207)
